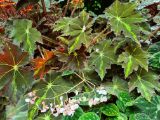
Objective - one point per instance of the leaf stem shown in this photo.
(44, 7)
(153, 33)
(94, 41)
(73, 11)
(66, 8)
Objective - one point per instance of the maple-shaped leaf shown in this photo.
(78, 28)
(102, 57)
(23, 33)
(132, 58)
(117, 86)
(50, 90)
(40, 64)
(13, 74)
(63, 24)
(123, 17)
(145, 82)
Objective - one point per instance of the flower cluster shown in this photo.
(67, 109)
(96, 97)
(31, 97)
(102, 98)
(95, 101)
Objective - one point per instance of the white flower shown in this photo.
(74, 107)
(96, 100)
(103, 99)
(90, 102)
(52, 109)
(32, 94)
(84, 28)
(102, 92)
(61, 110)
(61, 99)
(55, 114)
(83, 99)
(32, 101)
(97, 50)
(76, 92)
(68, 112)
(43, 110)
(27, 100)
(44, 107)
(58, 109)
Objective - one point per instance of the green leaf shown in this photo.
(124, 101)
(132, 59)
(13, 75)
(154, 48)
(74, 61)
(76, 115)
(23, 33)
(67, 72)
(3, 103)
(123, 17)
(110, 110)
(89, 116)
(145, 82)
(120, 117)
(47, 116)
(139, 116)
(50, 90)
(63, 24)
(78, 28)
(102, 57)
(152, 108)
(117, 86)
(125, 97)
(154, 60)
(91, 75)
(18, 111)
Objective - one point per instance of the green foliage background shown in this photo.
(102, 56)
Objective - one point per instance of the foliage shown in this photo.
(155, 55)
(123, 18)
(89, 115)
(65, 62)
(145, 82)
(151, 109)
(102, 57)
(110, 110)
(17, 78)
(23, 32)
(132, 58)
